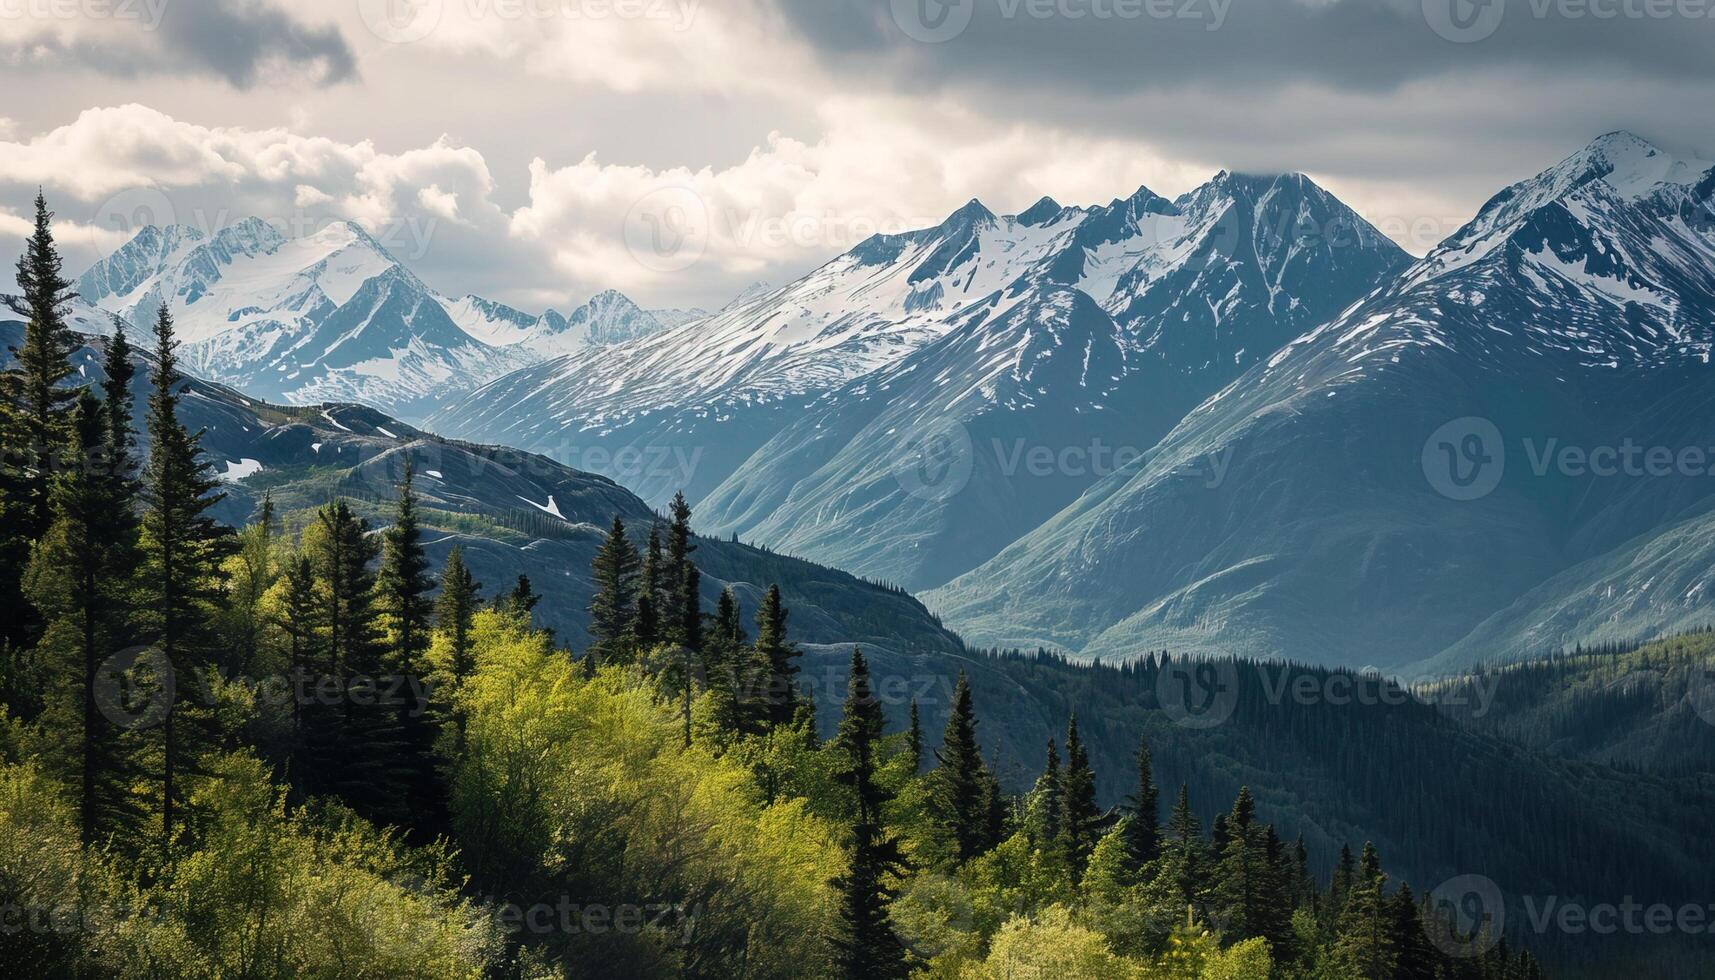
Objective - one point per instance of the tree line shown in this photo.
(295, 749)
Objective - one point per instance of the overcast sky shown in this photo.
(536, 151)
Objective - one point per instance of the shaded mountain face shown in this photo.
(1089, 330)
(1437, 475)
(512, 512)
(1134, 314)
(333, 316)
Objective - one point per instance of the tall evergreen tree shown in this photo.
(1241, 886)
(357, 747)
(1185, 847)
(613, 608)
(679, 549)
(183, 547)
(1078, 815)
(36, 423)
(523, 598)
(455, 610)
(646, 626)
(1143, 826)
(1047, 800)
(780, 691)
(960, 777)
(1365, 948)
(79, 577)
(404, 584)
(914, 740)
(118, 370)
(299, 618)
(865, 945)
(44, 363)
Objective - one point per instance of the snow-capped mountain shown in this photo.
(690, 405)
(1393, 487)
(1055, 327)
(333, 316)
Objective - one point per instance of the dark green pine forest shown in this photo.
(300, 748)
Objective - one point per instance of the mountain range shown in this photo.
(334, 316)
(1239, 421)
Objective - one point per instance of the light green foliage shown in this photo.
(579, 789)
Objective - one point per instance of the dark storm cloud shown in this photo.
(233, 40)
(1114, 46)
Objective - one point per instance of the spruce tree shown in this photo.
(183, 548)
(1078, 813)
(613, 608)
(455, 609)
(357, 747)
(37, 426)
(914, 741)
(1365, 947)
(679, 549)
(780, 689)
(117, 372)
(1047, 800)
(44, 363)
(646, 626)
(80, 579)
(300, 619)
(865, 945)
(522, 600)
(1143, 826)
(404, 584)
(1185, 847)
(960, 777)
(1242, 888)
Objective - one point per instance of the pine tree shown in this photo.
(679, 549)
(690, 608)
(865, 945)
(79, 577)
(183, 548)
(1078, 813)
(1143, 828)
(1365, 947)
(960, 777)
(299, 618)
(1185, 847)
(44, 362)
(613, 608)
(356, 748)
(404, 585)
(522, 600)
(37, 425)
(646, 627)
(455, 609)
(724, 664)
(914, 741)
(118, 370)
(1047, 800)
(1241, 887)
(780, 690)
(1415, 954)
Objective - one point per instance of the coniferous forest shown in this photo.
(299, 748)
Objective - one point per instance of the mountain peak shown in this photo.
(974, 212)
(1041, 212)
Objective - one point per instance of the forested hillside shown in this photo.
(308, 747)
(1643, 707)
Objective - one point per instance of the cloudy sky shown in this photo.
(536, 151)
